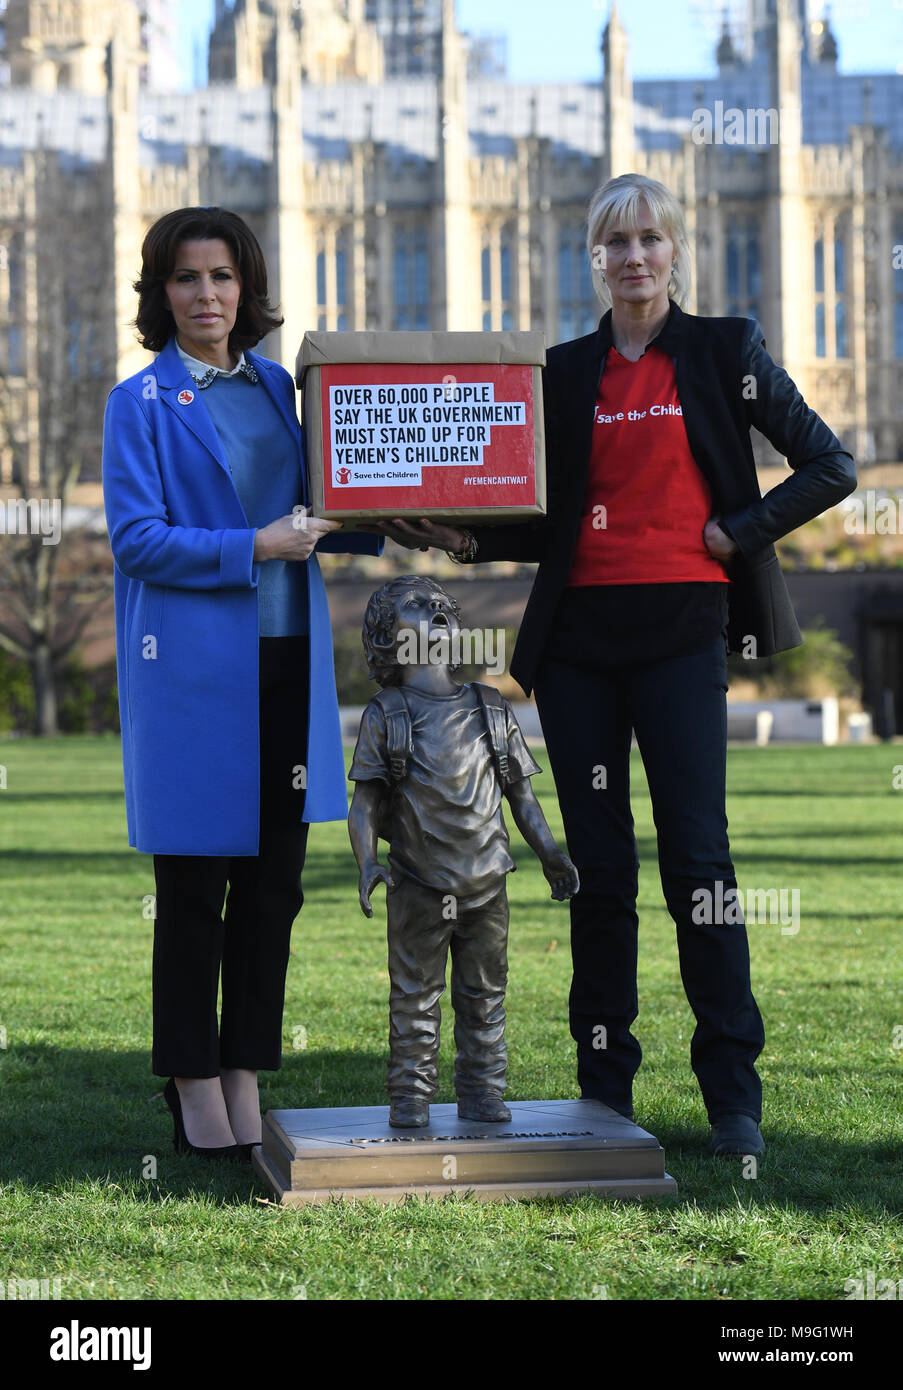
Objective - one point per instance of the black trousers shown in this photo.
(420, 936)
(194, 942)
(677, 708)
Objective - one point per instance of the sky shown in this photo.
(668, 38)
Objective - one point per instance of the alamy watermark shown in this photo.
(756, 125)
(867, 1287)
(33, 516)
(871, 513)
(729, 907)
(31, 1289)
(85, 1343)
(463, 646)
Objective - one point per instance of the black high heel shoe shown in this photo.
(236, 1153)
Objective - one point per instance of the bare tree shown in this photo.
(59, 365)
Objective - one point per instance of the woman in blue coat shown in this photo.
(231, 741)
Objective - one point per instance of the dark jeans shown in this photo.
(677, 709)
(192, 940)
(420, 935)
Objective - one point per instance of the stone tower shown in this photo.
(618, 156)
(58, 44)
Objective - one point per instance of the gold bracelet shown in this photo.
(468, 554)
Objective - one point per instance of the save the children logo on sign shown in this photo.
(418, 435)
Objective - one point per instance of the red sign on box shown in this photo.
(411, 436)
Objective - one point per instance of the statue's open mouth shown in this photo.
(439, 620)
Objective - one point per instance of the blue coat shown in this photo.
(186, 621)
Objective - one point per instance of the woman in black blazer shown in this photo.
(656, 558)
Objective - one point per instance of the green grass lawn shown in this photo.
(82, 1113)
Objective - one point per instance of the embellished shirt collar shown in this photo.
(203, 373)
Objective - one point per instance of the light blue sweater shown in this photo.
(263, 458)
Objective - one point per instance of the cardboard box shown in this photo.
(424, 424)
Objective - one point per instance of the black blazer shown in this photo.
(726, 382)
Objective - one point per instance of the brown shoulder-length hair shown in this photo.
(256, 316)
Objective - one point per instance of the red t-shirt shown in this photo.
(646, 501)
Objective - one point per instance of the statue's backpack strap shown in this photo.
(492, 704)
(399, 738)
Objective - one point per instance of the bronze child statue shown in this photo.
(432, 762)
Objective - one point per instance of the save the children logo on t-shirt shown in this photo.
(633, 392)
(601, 418)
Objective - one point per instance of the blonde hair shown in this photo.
(619, 201)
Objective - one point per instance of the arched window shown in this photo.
(332, 279)
(340, 269)
(496, 280)
(410, 278)
(505, 264)
(578, 308)
(841, 346)
(897, 253)
(733, 270)
(840, 330)
(753, 268)
(12, 360)
(743, 273)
